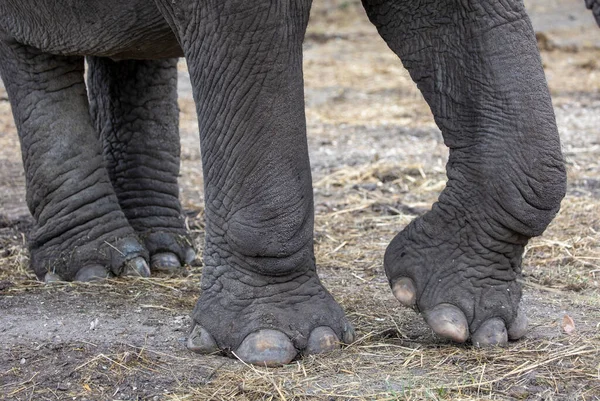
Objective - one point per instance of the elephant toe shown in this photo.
(190, 256)
(92, 273)
(405, 291)
(136, 267)
(266, 348)
(349, 334)
(448, 321)
(518, 327)
(201, 342)
(50, 278)
(491, 332)
(165, 262)
(322, 340)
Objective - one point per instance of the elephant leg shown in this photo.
(477, 65)
(261, 296)
(80, 232)
(133, 105)
(594, 5)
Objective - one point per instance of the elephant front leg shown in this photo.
(261, 296)
(80, 232)
(478, 67)
(133, 104)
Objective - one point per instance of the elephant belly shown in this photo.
(118, 29)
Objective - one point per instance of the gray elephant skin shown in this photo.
(101, 159)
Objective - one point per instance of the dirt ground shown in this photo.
(378, 161)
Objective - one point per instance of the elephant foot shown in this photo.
(169, 251)
(96, 260)
(266, 321)
(461, 278)
(102, 258)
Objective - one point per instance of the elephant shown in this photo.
(101, 160)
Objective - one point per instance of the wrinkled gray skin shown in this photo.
(102, 173)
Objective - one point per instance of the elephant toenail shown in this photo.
(201, 342)
(491, 332)
(266, 348)
(190, 256)
(405, 291)
(349, 335)
(165, 261)
(322, 340)
(518, 327)
(92, 273)
(137, 267)
(50, 278)
(448, 321)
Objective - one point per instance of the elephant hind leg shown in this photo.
(80, 232)
(133, 104)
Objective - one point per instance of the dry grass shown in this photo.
(377, 370)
